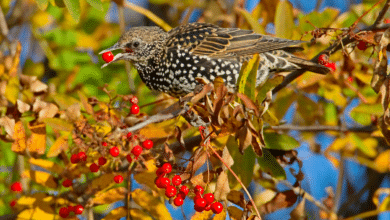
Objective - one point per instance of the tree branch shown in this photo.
(382, 13)
(321, 128)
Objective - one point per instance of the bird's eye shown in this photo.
(135, 44)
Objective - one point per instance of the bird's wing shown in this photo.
(214, 41)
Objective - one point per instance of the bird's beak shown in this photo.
(119, 56)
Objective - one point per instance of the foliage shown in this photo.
(220, 140)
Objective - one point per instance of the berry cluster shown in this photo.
(65, 211)
(323, 59)
(173, 187)
(134, 109)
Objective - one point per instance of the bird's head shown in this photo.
(139, 44)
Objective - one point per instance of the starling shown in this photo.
(170, 61)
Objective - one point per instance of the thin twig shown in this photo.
(122, 26)
(382, 13)
(149, 15)
(339, 186)
(3, 23)
(321, 128)
(239, 181)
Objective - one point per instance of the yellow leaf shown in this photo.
(220, 216)
(61, 144)
(103, 182)
(40, 177)
(31, 200)
(48, 165)
(110, 196)
(338, 144)
(19, 145)
(255, 25)
(122, 212)
(202, 215)
(270, 118)
(382, 162)
(103, 127)
(37, 141)
(284, 18)
(151, 204)
(264, 197)
(84, 100)
(12, 90)
(87, 41)
(148, 177)
(160, 130)
(58, 124)
(234, 213)
(41, 19)
(38, 213)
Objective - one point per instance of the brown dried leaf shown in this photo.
(222, 187)
(48, 112)
(235, 213)
(249, 103)
(202, 215)
(237, 198)
(38, 105)
(203, 179)
(244, 138)
(22, 106)
(19, 145)
(8, 124)
(299, 212)
(84, 101)
(197, 162)
(38, 86)
(282, 200)
(227, 158)
(73, 112)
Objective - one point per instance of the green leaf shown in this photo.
(284, 20)
(246, 82)
(269, 164)
(42, 4)
(319, 19)
(243, 164)
(74, 8)
(330, 114)
(362, 113)
(280, 141)
(255, 25)
(268, 86)
(96, 4)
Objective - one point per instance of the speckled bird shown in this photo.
(170, 61)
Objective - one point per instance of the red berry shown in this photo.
(178, 201)
(12, 203)
(176, 180)
(118, 178)
(16, 187)
(78, 209)
(198, 209)
(104, 144)
(184, 189)
(148, 144)
(94, 168)
(386, 21)
(209, 197)
(197, 197)
(108, 56)
(64, 212)
(198, 190)
(134, 109)
(200, 202)
(323, 59)
(128, 158)
(67, 183)
(134, 100)
(102, 161)
(181, 194)
(216, 207)
(167, 167)
(74, 158)
(331, 65)
(362, 45)
(129, 135)
(163, 182)
(350, 79)
(114, 151)
(137, 150)
(71, 208)
(82, 156)
(208, 207)
(160, 171)
(170, 191)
